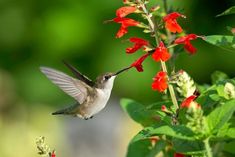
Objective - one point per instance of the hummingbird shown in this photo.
(91, 97)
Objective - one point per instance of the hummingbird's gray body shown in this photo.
(91, 97)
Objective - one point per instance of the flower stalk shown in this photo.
(207, 147)
(153, 28)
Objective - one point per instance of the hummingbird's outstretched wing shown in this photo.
(73, 87)
(79, 75)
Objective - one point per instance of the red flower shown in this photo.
(186, 41)
(163, 108)
(171, 23)
(53, 154)
(161, 53)
(125, 22)
(187, 103)
(178, 155)
(124, 11)
(160, 82)
(138, 63)
(138, 43)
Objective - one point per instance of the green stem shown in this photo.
(208, 148)
(153, 28)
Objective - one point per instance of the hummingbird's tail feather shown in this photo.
(71, 110)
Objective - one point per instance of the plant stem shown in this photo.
(207, 147)
(153, 28)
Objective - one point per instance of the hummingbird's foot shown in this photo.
(87, 118)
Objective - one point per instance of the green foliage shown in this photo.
(222, 41)
(188, 147)
(218, 76)
(138, 112)
(229, 11)
(145, 148)
(220, 116)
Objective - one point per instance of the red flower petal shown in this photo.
(171, 23)
(53, 154)
(124, 11)
(163, 108)
(190, 48)
(161, 53)
(186, 41)
(138, 63)
(186, 103)
(138, 43)
(160, 82)
(125, 22)
(178, 155)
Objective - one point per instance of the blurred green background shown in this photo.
(45, 32)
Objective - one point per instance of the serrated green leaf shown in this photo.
(220, 116)
(144, 148)
(228, 12)
(138, 112)
(177, 131)
(225, 42)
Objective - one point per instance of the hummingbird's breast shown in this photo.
(95, 105)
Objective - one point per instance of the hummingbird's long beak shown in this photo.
(120, 71)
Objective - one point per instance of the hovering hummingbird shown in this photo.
(91, 96)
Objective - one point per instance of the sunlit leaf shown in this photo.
(177, 131)
(225, 42)
(218, 117)
(228, 11)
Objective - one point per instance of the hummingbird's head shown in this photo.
(106, 80)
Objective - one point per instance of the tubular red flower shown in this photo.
(138, 63)
(163, 108)
(160, 82)
(53, 154)
(138, 44)
(171, 23)
(186, 41)
(161, 53)
(178, 155)
(187, 103)
(124, 11)
(125, 23)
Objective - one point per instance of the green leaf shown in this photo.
(188, 147)
(218, 76)
(144, 148)
(231, 133)
(229, 147)
(177, 131)
(228, 12)
(220, 116)
(138, 112)
(225, 42)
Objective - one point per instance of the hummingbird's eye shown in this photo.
(106, 77)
